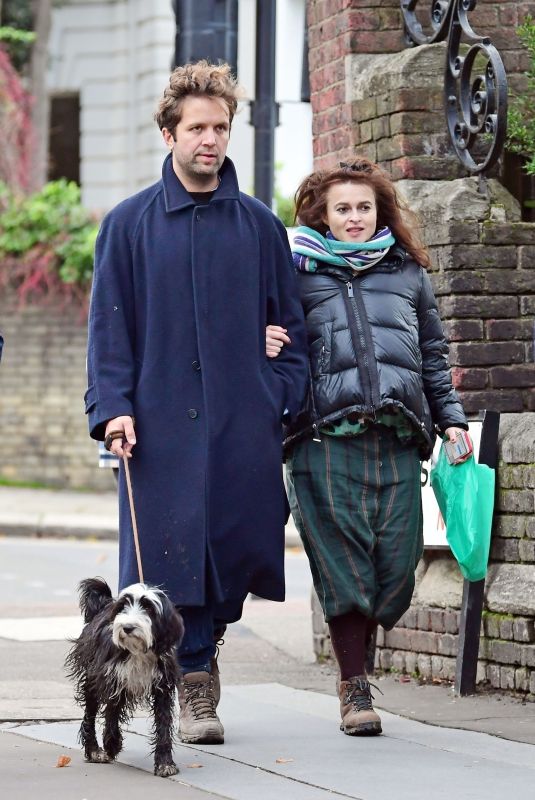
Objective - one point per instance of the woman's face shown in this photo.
(351, 212)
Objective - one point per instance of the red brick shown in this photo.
(365, 20)
(519, 376)
(483, 307)
(479, 353)
(376, 42)
(509, 281)
(509, 329)
(506, 400)
(463, 330)
(469, 378)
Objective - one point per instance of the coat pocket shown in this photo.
(273, 389)
(90, 399)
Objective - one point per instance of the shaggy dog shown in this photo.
(126, 654)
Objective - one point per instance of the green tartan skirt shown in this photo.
(356, 502)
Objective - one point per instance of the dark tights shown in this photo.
(350, 636)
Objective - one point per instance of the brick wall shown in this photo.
(485, 288)
(483, 257)
(44, 436)
(340, 28)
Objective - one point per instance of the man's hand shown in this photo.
(124, 445)
(276, 338)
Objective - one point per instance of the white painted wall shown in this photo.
(117, 54)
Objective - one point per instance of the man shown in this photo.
(188, 273)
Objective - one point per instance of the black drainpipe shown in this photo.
(264, 109)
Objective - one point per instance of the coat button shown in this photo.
(193, 413)
(197, 217)
(196, 365)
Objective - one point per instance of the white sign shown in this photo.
(434, 527)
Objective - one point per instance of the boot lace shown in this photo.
(359, 694)
(200, 697)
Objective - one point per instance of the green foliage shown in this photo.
(16, 35)
(285, 209)
(18, 48)
(284, 206)
(47, 240)
(521, 115)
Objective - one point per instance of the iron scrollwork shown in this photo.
(475, 82)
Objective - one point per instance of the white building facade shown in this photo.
(115, 56)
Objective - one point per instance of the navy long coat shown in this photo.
(181, 297)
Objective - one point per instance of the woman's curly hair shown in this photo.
(201, 79)
(311, 203)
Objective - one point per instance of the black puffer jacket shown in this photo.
(376, 342)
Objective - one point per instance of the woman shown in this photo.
(380, 386)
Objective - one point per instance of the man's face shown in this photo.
(200, 141)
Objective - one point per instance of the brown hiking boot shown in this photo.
(358, 716)
(198, 722)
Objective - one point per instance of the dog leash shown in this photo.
(107, 444)
(133, 516)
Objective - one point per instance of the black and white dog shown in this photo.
(126, 654)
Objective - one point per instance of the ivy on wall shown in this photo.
(47, 241)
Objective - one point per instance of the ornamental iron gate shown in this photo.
(475, 82)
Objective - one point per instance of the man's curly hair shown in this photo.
(200, 79)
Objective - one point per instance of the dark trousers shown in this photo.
(203, 628)
(356, 502)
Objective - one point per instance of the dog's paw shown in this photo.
(98, 756)
(165, 770)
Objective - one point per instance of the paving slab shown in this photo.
(29, 772)
(285, 743)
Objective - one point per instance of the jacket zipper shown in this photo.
(363, 344)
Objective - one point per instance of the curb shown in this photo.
(44, 530)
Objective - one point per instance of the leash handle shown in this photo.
(133, 516)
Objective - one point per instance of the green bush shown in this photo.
(284, 207)
(47, 241)
(18, 45)
(521, 115)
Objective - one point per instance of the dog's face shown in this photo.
(144, 619)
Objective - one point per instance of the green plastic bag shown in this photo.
(465, 496)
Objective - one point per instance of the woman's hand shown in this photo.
(276, 338)
(453, 434)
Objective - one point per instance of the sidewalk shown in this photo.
(279, 707)
(49, 513)
(282, 744)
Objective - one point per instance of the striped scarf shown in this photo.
(309, 247)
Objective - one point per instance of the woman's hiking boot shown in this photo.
(358, 716)
(198, 722)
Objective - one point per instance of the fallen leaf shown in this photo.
(194, 766)
(404, 678)
(102, 558)
(63, 761)
(283, 760)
